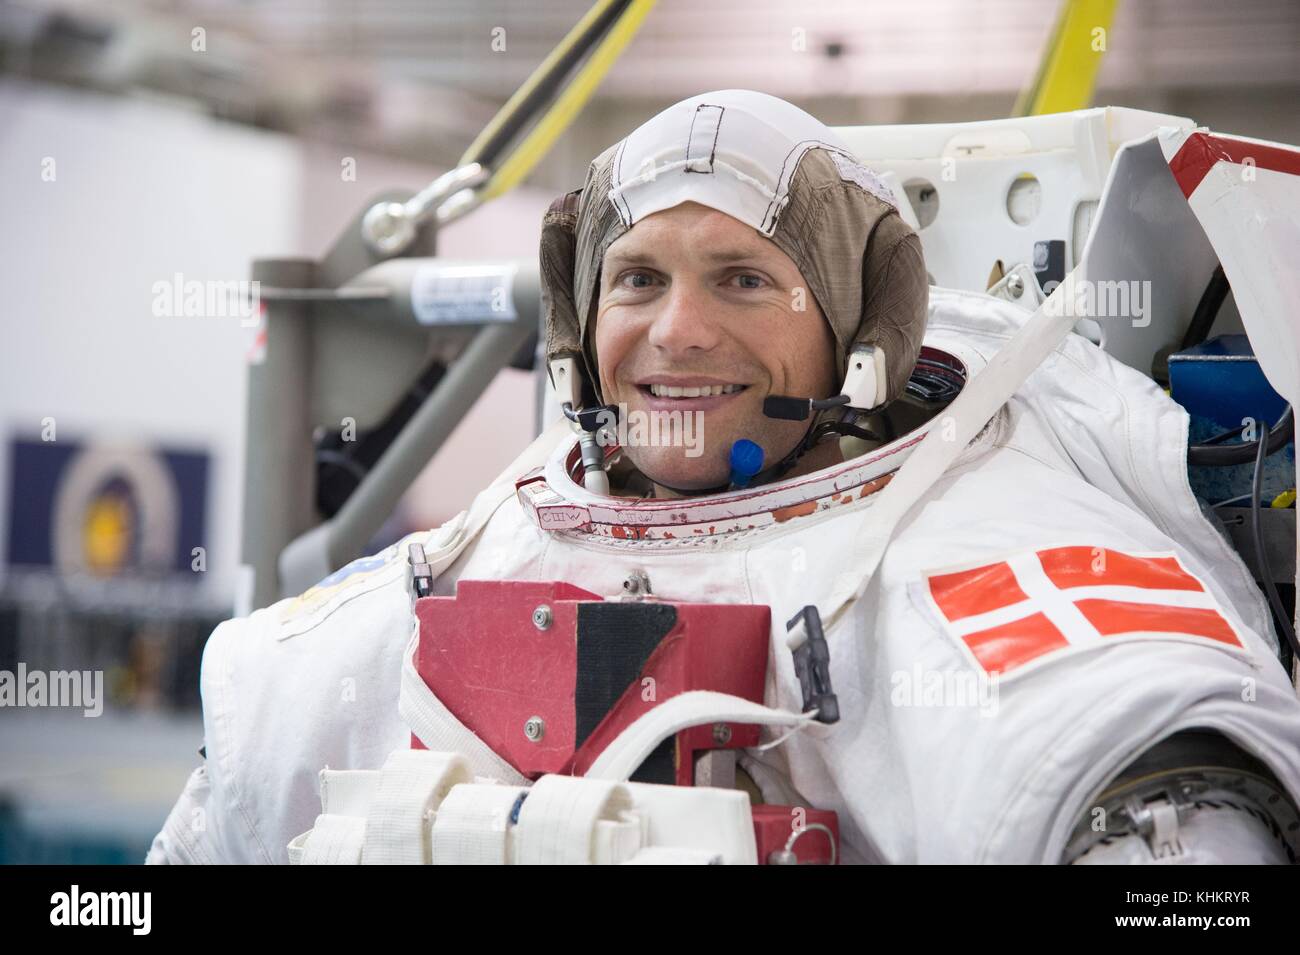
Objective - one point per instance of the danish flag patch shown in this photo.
(1022, 610)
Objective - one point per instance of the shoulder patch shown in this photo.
(313, 606)
(1012, 615)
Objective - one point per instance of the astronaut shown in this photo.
(731, 267)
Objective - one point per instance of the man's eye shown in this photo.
(631, 276)
(750, 280)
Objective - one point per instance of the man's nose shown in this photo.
(684, 322)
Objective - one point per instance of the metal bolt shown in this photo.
(535, 729)
(637, 584)
(542, 617)
(721, 734)
(387, 228)
(1015, 285)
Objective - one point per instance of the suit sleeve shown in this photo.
(207, 824)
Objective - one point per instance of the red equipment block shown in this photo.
(548, 674)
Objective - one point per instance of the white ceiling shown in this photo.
(419, 78)
(889, 47)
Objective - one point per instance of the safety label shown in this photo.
(463, 294)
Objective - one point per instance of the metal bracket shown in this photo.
(812, 661)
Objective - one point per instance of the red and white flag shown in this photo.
(1037, 604)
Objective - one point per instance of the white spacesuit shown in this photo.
(1128, 704)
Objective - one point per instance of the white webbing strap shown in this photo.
(630, 748)
(439, 730)
(571, 820)
(295, 847)
(472, 826)
(422, 711)
(347, 792)
(411, 785)
(978, 402)
(334, 840)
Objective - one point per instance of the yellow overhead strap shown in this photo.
(1067, 72)
(568, 104)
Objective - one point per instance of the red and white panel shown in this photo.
(1246, 195)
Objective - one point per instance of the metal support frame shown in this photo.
(352, 346)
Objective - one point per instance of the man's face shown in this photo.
(691, 298)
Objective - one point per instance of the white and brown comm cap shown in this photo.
(769, 164)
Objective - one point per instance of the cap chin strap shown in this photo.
(865, 387)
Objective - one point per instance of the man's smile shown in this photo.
(683, 393)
